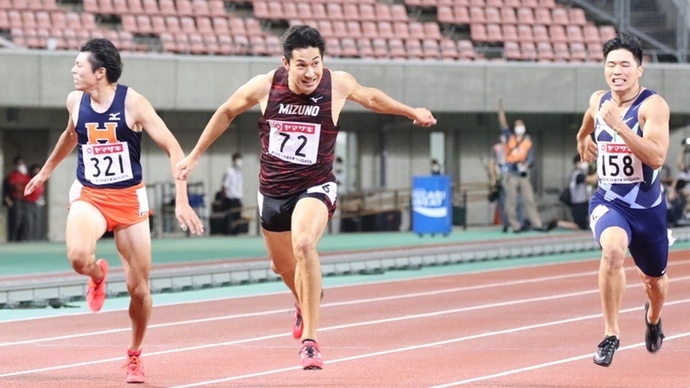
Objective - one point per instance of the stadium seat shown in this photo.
(173, 23)
(217, 8)
(574, 33)
(399, 12)
(351, 11)
(578, 52)
(367, 12)
(559, 15)
(541, 34)
(129, 23)
(201, 8)
(547, 4)
(542, 16)
(134, 7)
(253, 27)
(167, 7)
(333, 47)
(591, 33)
(196, 44)
(594, 52)
(151, 7)
(529, 51)
(477, 15)
(508, 15)
(369, 29)
(366, 50)
(88, 21)
(493, 15)
(204, 25)
(383, 12)
(354, 29)
(478, 32)
(225, 45)
(511, 51)
(335, 12)
(448, 49)
(494, 3)
(89, 6)
(607, 32)
(275, 11)
(557, 34)
(326, 29)
(318, 11)
(290, 11)
(380, 48)
(348, 48)
(339, 28)
(431, 49)
(561, 53)
(28, 19)
(545, 51)
(385, 29)
(261, 9)
(221, 26)
(525, 33)
(143, 24)
(106, 7)
(577, 16)
(525, 15)
(462, 15)
(58, 20)
(494, 33)
(396, 48)
(211, 43)
(413, 48)
(241, 45)
(187, 24)
(510, 32)
(466, 50)
(273, 46)
(184, 7)
(444, 14)
(237, 26)
(432, 31)
(401, 30)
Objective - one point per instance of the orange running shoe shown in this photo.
(95, 293)
(311, 355)
(297, 324)
(135, 369)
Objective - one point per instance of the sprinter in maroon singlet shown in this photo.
(301, 102)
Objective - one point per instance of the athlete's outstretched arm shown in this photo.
(64, 146)
(378, 101)
(146, 117)
(247, 96)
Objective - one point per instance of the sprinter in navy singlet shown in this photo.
(630, 128)
(106, 121)
(300, 104)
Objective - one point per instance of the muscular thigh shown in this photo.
(133, 243)
(649, 244)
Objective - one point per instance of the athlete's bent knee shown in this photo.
(303, 246)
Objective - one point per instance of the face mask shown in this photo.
(584, 166)
(238, 163)
(22, 169)
(435, 168)
(520, 130)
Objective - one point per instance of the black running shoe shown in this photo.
(654, 337)
(607, 347)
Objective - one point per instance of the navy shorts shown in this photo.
(646, 229)
(276, 213)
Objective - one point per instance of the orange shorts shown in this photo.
(120, 207)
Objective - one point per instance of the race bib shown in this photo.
(107, 163)
(617, 164)
(294, 142)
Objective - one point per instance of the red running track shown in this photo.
(525, 327)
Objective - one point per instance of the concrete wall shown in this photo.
(186, 90)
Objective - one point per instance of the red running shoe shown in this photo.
(311, 355)
(95, 293)
(297, 324)
(135, 369)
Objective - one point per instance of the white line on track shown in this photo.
(408, 317)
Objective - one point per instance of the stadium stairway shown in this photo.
(37, 275)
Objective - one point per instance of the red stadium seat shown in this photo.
(511, 51)
(396, 48)
(366, 50)
(466, 50)
(448, 49)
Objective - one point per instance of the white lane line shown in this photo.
(450, 341)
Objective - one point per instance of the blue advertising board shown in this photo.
(432, 204)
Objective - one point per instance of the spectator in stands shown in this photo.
(232, 184)
(106, 121)
(300, 103)
(519, 157)
(631, 139)
(34, 209)
(13, 198)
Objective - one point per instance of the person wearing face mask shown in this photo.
(435, 167)
(519, 158)
(13, 199)
(232, 185)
